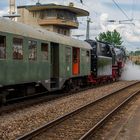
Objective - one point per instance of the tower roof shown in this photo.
(78, 11)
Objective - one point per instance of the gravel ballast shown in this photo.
(15, 124)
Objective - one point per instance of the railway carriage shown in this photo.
(33, 56)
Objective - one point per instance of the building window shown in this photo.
(65, 32)
(2, 47)
(17, 48)
(59, 31)
(44, 51)
(34, 14)
(32, 50)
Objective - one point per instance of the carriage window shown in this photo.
(32, 50)
(87, 53)
(68, 55)
(103, 51)
(17, 48)
(44, 51)
(83, 53)
(87, 56)
(2, 47)
(108, 51)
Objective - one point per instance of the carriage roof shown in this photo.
(8, 26)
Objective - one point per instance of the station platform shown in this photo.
(131, 128)
(128, 126)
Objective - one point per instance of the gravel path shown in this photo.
(20, 122)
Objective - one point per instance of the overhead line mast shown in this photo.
(12, 10)
(88, 28)
(12, 7)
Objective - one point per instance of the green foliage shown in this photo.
(137, 62)
(111, 37)
(135, 53)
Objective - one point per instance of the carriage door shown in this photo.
(68, 61)
(54, 65)
(76, 61)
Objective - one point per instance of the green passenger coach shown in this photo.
(34, 56)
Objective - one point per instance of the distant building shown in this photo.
(56, 18)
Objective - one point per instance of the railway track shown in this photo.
(84, 121)
(22, 102)
(18, 103)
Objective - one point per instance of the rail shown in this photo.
(92, 131)
(53, 123)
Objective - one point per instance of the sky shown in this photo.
(100, 12)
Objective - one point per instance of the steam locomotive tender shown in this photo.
(33, 58)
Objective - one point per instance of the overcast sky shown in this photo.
(100, 12)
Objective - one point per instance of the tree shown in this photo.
(137, 52)
(110, 37)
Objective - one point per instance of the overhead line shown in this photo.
(121, 9)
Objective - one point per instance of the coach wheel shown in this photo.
(2, 100)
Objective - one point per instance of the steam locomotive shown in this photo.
(32, 58)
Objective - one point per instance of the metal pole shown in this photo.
(12, 7)
(88, 27)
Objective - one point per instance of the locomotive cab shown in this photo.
(104, 62)
(101, 58)
(93, 57)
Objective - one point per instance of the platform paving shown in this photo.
(128, 126)
(130, 130)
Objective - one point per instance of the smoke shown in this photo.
(131, 71)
